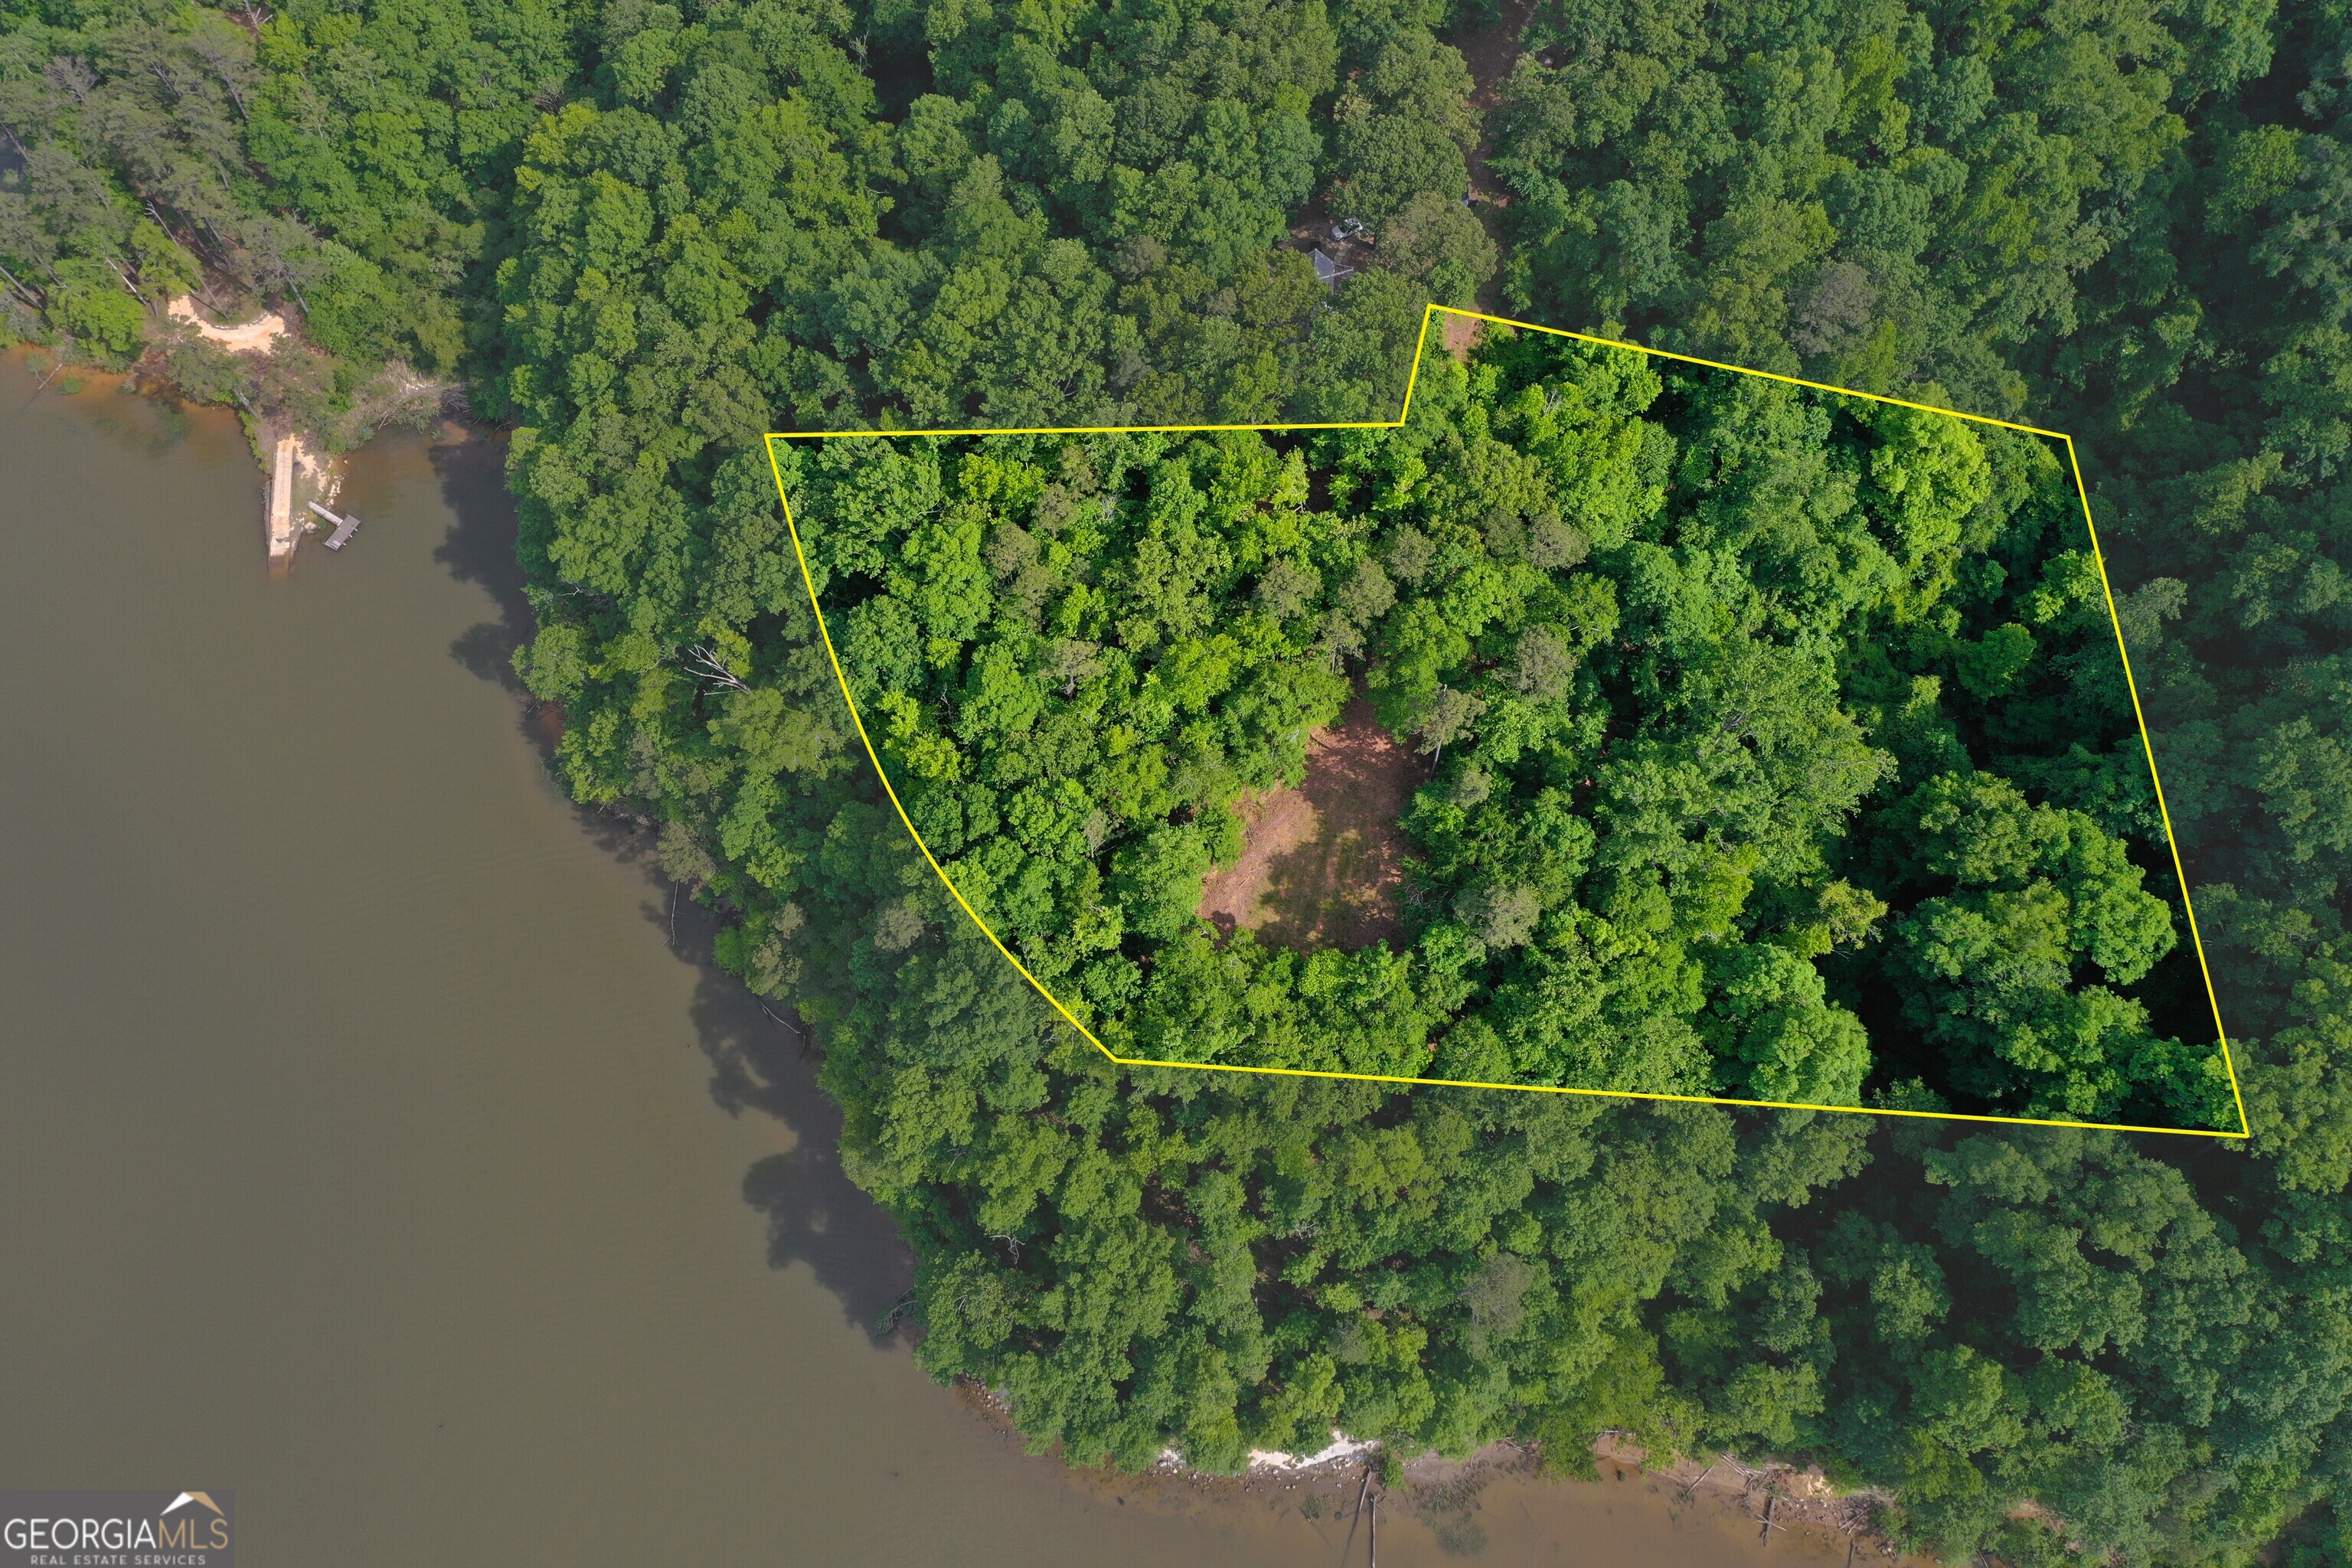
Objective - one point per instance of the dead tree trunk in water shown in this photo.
(1356, 1518)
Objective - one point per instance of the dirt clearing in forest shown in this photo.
(1321, 864)
(1462, 336)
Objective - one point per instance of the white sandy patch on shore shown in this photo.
(248, 337)
(1342, 1448)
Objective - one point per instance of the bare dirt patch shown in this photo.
(1321, 863)
(1462, 336)
(251, 337)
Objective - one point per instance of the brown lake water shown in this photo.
(370, 1148)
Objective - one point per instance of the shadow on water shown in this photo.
(480, 548)
(759, 1061)
(815, 1214)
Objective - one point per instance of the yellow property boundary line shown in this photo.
(1420, 347)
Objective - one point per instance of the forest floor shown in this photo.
(1462, 336)
(1321, 863)
(1492, 53)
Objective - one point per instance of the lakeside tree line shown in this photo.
(641, 234)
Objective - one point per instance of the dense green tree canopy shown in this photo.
(1646, 779)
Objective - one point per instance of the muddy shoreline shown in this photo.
(1778, 1504)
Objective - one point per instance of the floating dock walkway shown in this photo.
(345, 526)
